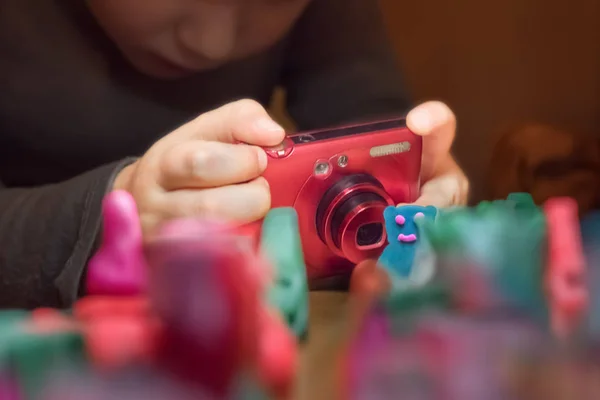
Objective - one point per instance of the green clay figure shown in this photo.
(507, 238)
(32, 356)
(282, 246)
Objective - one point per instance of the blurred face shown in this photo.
(175, 38)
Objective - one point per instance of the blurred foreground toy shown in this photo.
(32, 347)
(590, 232)
(281, 245)
(566, 267)
(209, 287)
(505, 241)
(438, 356)
(118, 268)
(506, 282)
(189, 308)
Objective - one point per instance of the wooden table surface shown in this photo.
(320, 353)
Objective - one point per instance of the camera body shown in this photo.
(339, 181)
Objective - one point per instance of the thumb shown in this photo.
(243, 121)
(437, 124)
(444, 191)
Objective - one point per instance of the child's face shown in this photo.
(175, 38)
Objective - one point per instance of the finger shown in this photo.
(241, 121)
(245, 202)
(444, 191)
(203, 164)
(437, 124)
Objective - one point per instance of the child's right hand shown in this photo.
(200, 169)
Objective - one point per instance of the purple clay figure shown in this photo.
(8, 389)
(201, 293)
(373, 337)
(473, 288)
(397, 372)
(119, 267)
(127, 385)
(445, 357)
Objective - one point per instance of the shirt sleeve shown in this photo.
(47, 235)
(340, 66)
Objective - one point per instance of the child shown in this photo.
(85, 86)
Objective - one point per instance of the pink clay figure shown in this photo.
(119, 267)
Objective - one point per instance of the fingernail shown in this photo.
(268, 125)
(420, 120)
(262, 159)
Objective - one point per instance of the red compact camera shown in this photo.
(339, 181)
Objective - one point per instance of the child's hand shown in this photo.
(443, 182)
(201, 170)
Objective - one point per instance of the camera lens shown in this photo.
(369, 234)
(347, 208)
(350, 217)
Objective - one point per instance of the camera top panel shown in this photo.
(334, 133)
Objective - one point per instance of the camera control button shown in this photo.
(282, 150)
(306, 138)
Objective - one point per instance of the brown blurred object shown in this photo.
(368, 283)
(546, 162)
(553, 377)
(369, 279)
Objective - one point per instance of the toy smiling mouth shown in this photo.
(407, 238)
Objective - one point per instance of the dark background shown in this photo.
(496, 63)
(500, 62)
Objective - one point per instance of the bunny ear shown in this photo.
(119, 267)
(120, 218)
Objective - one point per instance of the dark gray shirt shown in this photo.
(72, 111)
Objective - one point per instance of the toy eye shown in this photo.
(400, 220)
(419, 215)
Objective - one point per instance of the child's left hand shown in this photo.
(443, 183)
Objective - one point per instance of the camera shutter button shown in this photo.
(282, 150)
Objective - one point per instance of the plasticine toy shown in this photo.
(30, 347)
(438, 356)
(198, 312)
(281, 244)
(505, 240)
(504, 270)
(566, 266)
(404, 237)
(119, 267)
(590, 233)
(190, 305)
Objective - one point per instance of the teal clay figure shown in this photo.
(406, 306)
(403, 237)
(507, 238)
(31, 356)
(282, 246)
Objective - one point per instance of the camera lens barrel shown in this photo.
(346, 208)
(350, 217)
